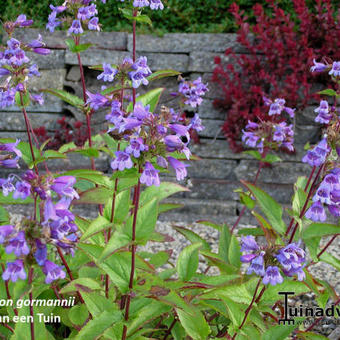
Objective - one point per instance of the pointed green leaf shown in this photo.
(150, 98)
(66, 97)
(187, 262)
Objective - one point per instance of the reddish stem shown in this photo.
(7, 291)
(170, 329)
(327, 245)
(133, 256)
(30, 280)
(28, 132)
(8, 327)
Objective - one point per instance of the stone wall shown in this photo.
(213, 179)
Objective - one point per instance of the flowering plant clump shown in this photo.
(52, 254)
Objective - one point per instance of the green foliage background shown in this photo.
(194, 16)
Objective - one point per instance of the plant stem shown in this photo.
(251, 305)
(30, 280)
(7, 291)
(327, 245)
(28, 132)
(88, 115)
(133, 256)
(168, 332)
(311, 190)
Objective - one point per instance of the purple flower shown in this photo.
(108, 74)
(22, 190)
(53, 272)
(335, 71)
(249, 244)
(150, 175)
(76, 28)
(13, 45)
(322, 195)
(291, 257)
(272, 276)
(93, 24)
(96, 100)
(18, 245)
(334, 210)
(22, 21)
(63, 186)
(323, 116)
(162, 162)
(83, 13)
(318, 155)
(193, 91)
(38, 98)
(257, 266)
(92, 10)
(11, 147)
(318, 67)
(5, 231)
(140, 111)
(316, 212)
(250, 139)
(156, 4)
(140, 3)
(4, 72)
(33, 71)
(122, 161)
(58, 9)
(276, 107)
(196, 123)
(138, 78)
(7, 98)
(179, 167)
(247, 257)
(14, 271)
(53, 22)
(40, 253)
(135, 147)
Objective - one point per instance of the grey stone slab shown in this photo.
(207, 110)
(307, 133)
(89, 58)
(162, 61)
(212, 128)
(14, 121)
(285, 173)
(306, 116)
(184, 42)
(55, 60)
(204, 61)
(73, 74)
(102, 40)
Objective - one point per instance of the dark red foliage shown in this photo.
(279, 54)
(67, 132)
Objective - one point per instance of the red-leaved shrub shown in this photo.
(279, 54)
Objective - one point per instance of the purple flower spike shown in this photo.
(335, 71)
(53, 272)
(140, 3)
(318, 67)
(150, 175)
(179, 167)
(316, 212)
(76, 27)
(257, 266)
(5, 231)
(63, 186)
(18, 245)
(108, 74)
(122, 161)
(22, 21)
(249, 244)
(272, 276)
(96, 100)
(53, 22)
(14, 271)
(22, 190)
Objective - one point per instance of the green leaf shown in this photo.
(255, 154)
(117, 241)
(78, 314)
(164, 207)
(312, 336)
(121, 209)
(164, 190)
(330, 259)
(98, 195)
(247, 201)
(97, 326)
(251, 231)
(97, 304)
(144, 19)
(83, 284)
(234, 252)
(270, 208)
(162, 74)
(270, 158)
(320, 229)
(146, 221)
(278, 332)
(149, 312)
(194, 324)
(25, 149)
(4, 216)
(187, 262)
(192, 237)
(76, 48)
(66, 97)
(25, 99)
(328, 92)
(150, 98)
(96, 226)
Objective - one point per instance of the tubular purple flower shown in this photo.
(140, 3)
(140, 111)
(14, 271)
(7, 185)
(122, 161)
(150, 175)
(179, 167)
(108, 74)
(76, 28)
(22, 21)
(5, 231)
(276, 107)
(58, 9)
(22, 190)
(96, 100)
(18, 245)
(316, 212)
(93, 24)
(318, 67)
(272, 276)
(249, 244)
(40, 253)
(156, 4)
(63, 186)
(53, 272)
(335, 71)
(38, 98)
(135, 147)
(257, 266)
